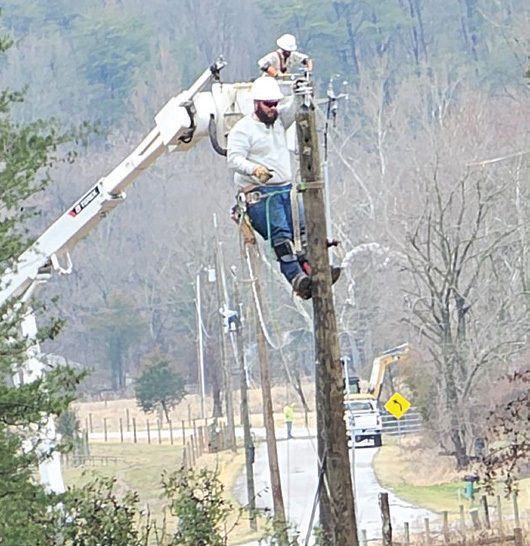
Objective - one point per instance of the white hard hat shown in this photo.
(287, 42)
(266, 88)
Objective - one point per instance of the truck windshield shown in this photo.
(359, 406)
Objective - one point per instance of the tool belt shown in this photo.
(250, 195)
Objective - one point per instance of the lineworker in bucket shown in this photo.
(257, 152)
(284, 59)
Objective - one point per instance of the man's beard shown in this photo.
(263, 117)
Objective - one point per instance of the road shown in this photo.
(299, 481)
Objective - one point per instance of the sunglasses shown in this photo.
(270, 103)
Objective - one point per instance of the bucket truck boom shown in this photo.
(175, 126)
(180, 125)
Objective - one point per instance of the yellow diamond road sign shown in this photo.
(397, 405)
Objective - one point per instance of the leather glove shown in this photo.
(262, 173)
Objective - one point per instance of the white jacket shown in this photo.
(252, 143)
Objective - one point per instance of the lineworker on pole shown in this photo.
(257, 152)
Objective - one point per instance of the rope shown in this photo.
(257, 302)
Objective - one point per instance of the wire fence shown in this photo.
(495, 520)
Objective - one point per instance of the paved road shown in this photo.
(299, 480)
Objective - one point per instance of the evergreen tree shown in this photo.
(27, 152)
(159, 386)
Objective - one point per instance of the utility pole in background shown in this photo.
(245, 418)
(337, 512)
(227, 366)
(200, 348)
(268, 416)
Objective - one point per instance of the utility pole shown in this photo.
(201, 344)
(268, 416)
(227, 368)
(245, 419)
(337, 508)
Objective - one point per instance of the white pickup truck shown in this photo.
(363, 420)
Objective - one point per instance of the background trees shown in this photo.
(433, 133)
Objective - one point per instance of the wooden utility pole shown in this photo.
(227, 366)
(245, 419)
(268, 416)
(337, 509)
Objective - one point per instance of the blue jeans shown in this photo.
(272, 218)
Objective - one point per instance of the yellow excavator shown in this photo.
(363, 417)
(352, 385)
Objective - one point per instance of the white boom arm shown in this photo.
(180, 123)
(175, 126)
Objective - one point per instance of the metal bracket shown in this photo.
(57, 266)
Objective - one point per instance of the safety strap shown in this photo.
(240, 216)
(296, 220)
(280, 56)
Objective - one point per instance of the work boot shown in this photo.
(302, 286)
(335, 271)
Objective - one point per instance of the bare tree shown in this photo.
(461, 293)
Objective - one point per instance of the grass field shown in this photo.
(418, 474)
(412, 469)
(139, 467)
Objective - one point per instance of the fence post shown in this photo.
(171, 431)
(185, 459)
(446, 525)
(201, 439)
(194, 449)
(364, 538)
(518, 536)
(516, 510)
(485, 509)
(462, 518)
(189, 415)
(121, 430)
(499, 517)
(134, 430)
(475, 519)
(385, 518)
(148, 432)
(90, 423)
(183, 434)
(86, 446)
(407, 534)
(192, 452)
(427, 531)
(159, 431)
(105, 428)
(127, 419)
